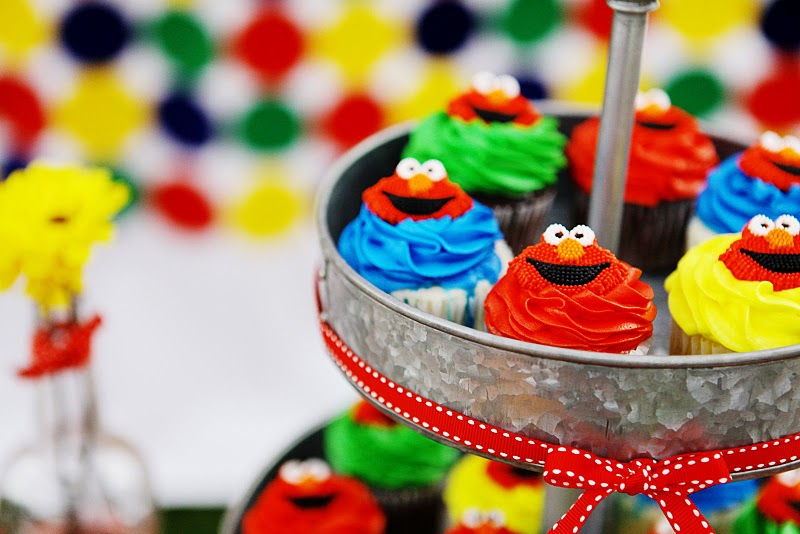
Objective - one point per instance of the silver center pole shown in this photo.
(616, 119)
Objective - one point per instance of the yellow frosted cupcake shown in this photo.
(738, 293)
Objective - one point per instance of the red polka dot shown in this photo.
(182, 205)
(595, 16)
(20, 106)
(774, 101)
(271, 45)
(352, 119)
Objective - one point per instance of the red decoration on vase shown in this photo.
(183, 205)
(774, 100)
(354, 118)
(21, 107)
(60, 346)
(271, 45)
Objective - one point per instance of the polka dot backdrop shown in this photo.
(161, 93)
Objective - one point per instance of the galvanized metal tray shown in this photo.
(615, 406)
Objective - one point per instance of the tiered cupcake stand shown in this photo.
(661, 425)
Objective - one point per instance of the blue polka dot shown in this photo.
(445, 27)
(183, 119)
(781, 24)
(10, 165)
(531, 87)
(94, 32)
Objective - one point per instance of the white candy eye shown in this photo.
(555, 234)
(434, 169)
(760, 225)
(772, 142)
(509, 85)
(583, 235)
(789, 479)
(318, 470)
(292, 472)
(653, 97)
(471, 518)
(484, 82)
(497, 518)
(788, 223)
(793, 143)
(407, 168)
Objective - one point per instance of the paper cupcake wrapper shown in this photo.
(697, 232)
(412, 509)
(653, 238)
(521, 219)
(682, 344)
(450, 304)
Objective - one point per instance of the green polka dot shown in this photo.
(184, 40)
(697, 91)
(269, 125)
(527, 21)
(124, 178)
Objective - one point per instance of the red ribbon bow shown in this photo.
(668, 482)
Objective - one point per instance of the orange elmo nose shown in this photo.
(779, 238)
(570, 250)
(497, 97)
(419, 183)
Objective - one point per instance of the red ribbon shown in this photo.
(60, 346)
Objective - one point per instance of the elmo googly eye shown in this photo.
(292, 472)
(555, 234)
(772, 142)
(583, 235)
(407, 168)
(434, 169)
(318, 470)
(472, 518)
(484, 82)
(496, 518)
(509, 85)
(760, 225)
(788, 223)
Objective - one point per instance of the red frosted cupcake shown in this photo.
(569, 292)
(307, 498)
(669, 160)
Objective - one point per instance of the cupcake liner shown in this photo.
(450, 304)
(520, 219)
(682, 344)
(697, 232)
(653, 238)
(412, 509)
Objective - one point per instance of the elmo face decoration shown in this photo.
(656, 114)
(569, 259)
(768, 251)
(307, 497)
(418, 192)
(474, 521)
(494, 99)
(510, 477)
(779, 499)
(774, 159)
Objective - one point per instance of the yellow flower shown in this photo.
(50, 217)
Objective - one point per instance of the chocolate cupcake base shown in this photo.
(521, 219)
(653, 238)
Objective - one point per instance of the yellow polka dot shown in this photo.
(21, 29)
(270, 209)
(101, 113)
(439, 85)
(709, 18)
(357, 40)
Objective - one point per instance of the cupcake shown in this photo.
(478, 485)
(669, 160)
(404, 470)
(776, 509)
(421, 238)
(567, 291)
(474, 521)
(738, 293)
(306, 498)
(500, 150)
(763, 179)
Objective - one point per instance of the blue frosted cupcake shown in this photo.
(764, 179)
(422, 239)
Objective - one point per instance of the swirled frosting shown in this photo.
(502, 159)
(751, 521)
(446, 252)
(664, 165)
(705, 299)
(731, 198)
(388, 457)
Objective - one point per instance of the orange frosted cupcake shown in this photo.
(669, 160)
(569, 292)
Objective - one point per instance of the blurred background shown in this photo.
(222, 116)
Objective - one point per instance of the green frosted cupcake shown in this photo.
(500, 150)
(776, 509)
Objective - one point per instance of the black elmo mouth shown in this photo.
(656, 125)
(488, 115)
(568, 275)
(417, 206)
(523, 473)
(791, 169)
(311, 502)
(795, 505)
(777, 263)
